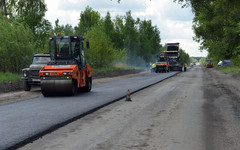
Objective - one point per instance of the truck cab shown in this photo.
(30, 76)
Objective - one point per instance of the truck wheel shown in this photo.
(88, 86)
(26, 86)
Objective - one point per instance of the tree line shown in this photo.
(25, 31)
(217, 26)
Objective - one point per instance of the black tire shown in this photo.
(74, 88)
(26, 86)
(88, 86)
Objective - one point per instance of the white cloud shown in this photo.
(174, 22)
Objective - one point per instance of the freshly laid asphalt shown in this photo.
(24, 121)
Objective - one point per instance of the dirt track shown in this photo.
(199, 109)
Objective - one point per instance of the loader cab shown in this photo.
(67, 50)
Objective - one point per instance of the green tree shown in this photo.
(43, 31)
(193, 59)
(118, 37)
(101, 52)
(58, 28)
(184, 57)
(88, 18)
(16, 45)
(31, 13)
(202, 61)
(68, 30)
(149, 40)
(108, 26)
(64, 30)
(140, 38)
(131, 41)
(216, 26)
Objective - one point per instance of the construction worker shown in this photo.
(153, 67)
(185, 66)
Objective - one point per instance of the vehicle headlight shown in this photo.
(65, 73)
(46, 74)
(25, 74)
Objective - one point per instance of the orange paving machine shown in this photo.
(67, 71)
(162, 64)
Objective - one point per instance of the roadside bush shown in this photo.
(101, 52)
(8, 76)
(16, 45)
(236, 57)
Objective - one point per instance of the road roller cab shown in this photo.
(162, 64)
(67, 71)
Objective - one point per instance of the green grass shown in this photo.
(8, 76)
(229, 69)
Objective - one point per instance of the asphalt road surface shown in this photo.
(195, 110)
(23, 121)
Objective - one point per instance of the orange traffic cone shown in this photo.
(128, 98)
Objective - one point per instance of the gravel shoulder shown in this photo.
(12, 95)
(222, 110)
(198, 109)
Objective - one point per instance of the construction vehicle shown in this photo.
(31, 75)
(172, 53)
(162, 64)
(209, 63)
(67, 71)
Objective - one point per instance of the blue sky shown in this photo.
(174, 22)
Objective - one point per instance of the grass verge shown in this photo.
(8, 76)
(229, 69)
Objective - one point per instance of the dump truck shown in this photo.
(172, 53)
(162, 64)
(67, 71)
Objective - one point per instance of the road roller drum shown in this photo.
(58, 87)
